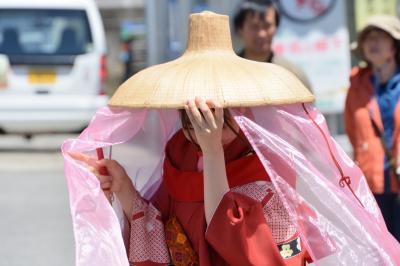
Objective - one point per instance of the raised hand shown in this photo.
(207, 124)
(116, 177)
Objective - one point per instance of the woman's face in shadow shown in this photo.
(378, 47)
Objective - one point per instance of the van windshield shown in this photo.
(31, 32)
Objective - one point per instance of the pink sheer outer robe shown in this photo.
(323, 190)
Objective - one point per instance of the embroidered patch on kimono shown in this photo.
(290, 249)
(180, 249)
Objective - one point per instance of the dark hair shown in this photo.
(254, 7)
(397, 47)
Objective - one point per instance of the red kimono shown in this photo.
(249, 227)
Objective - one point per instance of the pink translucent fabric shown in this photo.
(334, 226)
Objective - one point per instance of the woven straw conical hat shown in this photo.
(210, 69)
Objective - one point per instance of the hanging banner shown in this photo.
(313, 35)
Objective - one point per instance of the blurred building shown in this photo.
(159, 27)
(168, 42)
(120, 16)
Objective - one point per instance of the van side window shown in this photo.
(69, 43)
(44, 32)
(10, 43)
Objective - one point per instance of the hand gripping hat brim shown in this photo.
(210, 69)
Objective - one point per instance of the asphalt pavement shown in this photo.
(35, 223)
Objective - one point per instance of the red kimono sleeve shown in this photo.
(239, 233)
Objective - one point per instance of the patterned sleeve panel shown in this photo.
(147, 241)
(278, 219)
(275, 213)
(239, 234)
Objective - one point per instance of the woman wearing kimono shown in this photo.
(216, 205)
(250, 175)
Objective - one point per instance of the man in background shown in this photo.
(256, 23)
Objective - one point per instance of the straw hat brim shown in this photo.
(220, 75)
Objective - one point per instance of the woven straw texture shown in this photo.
(210, 69)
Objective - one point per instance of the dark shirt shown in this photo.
(387, 95)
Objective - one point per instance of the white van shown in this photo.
(52, 59)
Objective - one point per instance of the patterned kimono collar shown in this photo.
(185, 183)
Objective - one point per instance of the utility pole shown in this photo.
(157, 31)
(167, 24)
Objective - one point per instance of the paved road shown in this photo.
(35, 223)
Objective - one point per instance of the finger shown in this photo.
(109, 164)
(108, 167)
(219, 116)
(106, 185)
(102, 167)
(78, 156)
(103, 162)
(103, 178)
(92, 169)
(100, 177)
(218, 111)
(208, 114)
(191, 118)
(83, 158)
(95, 169)
(196, 115)
(213, 104)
